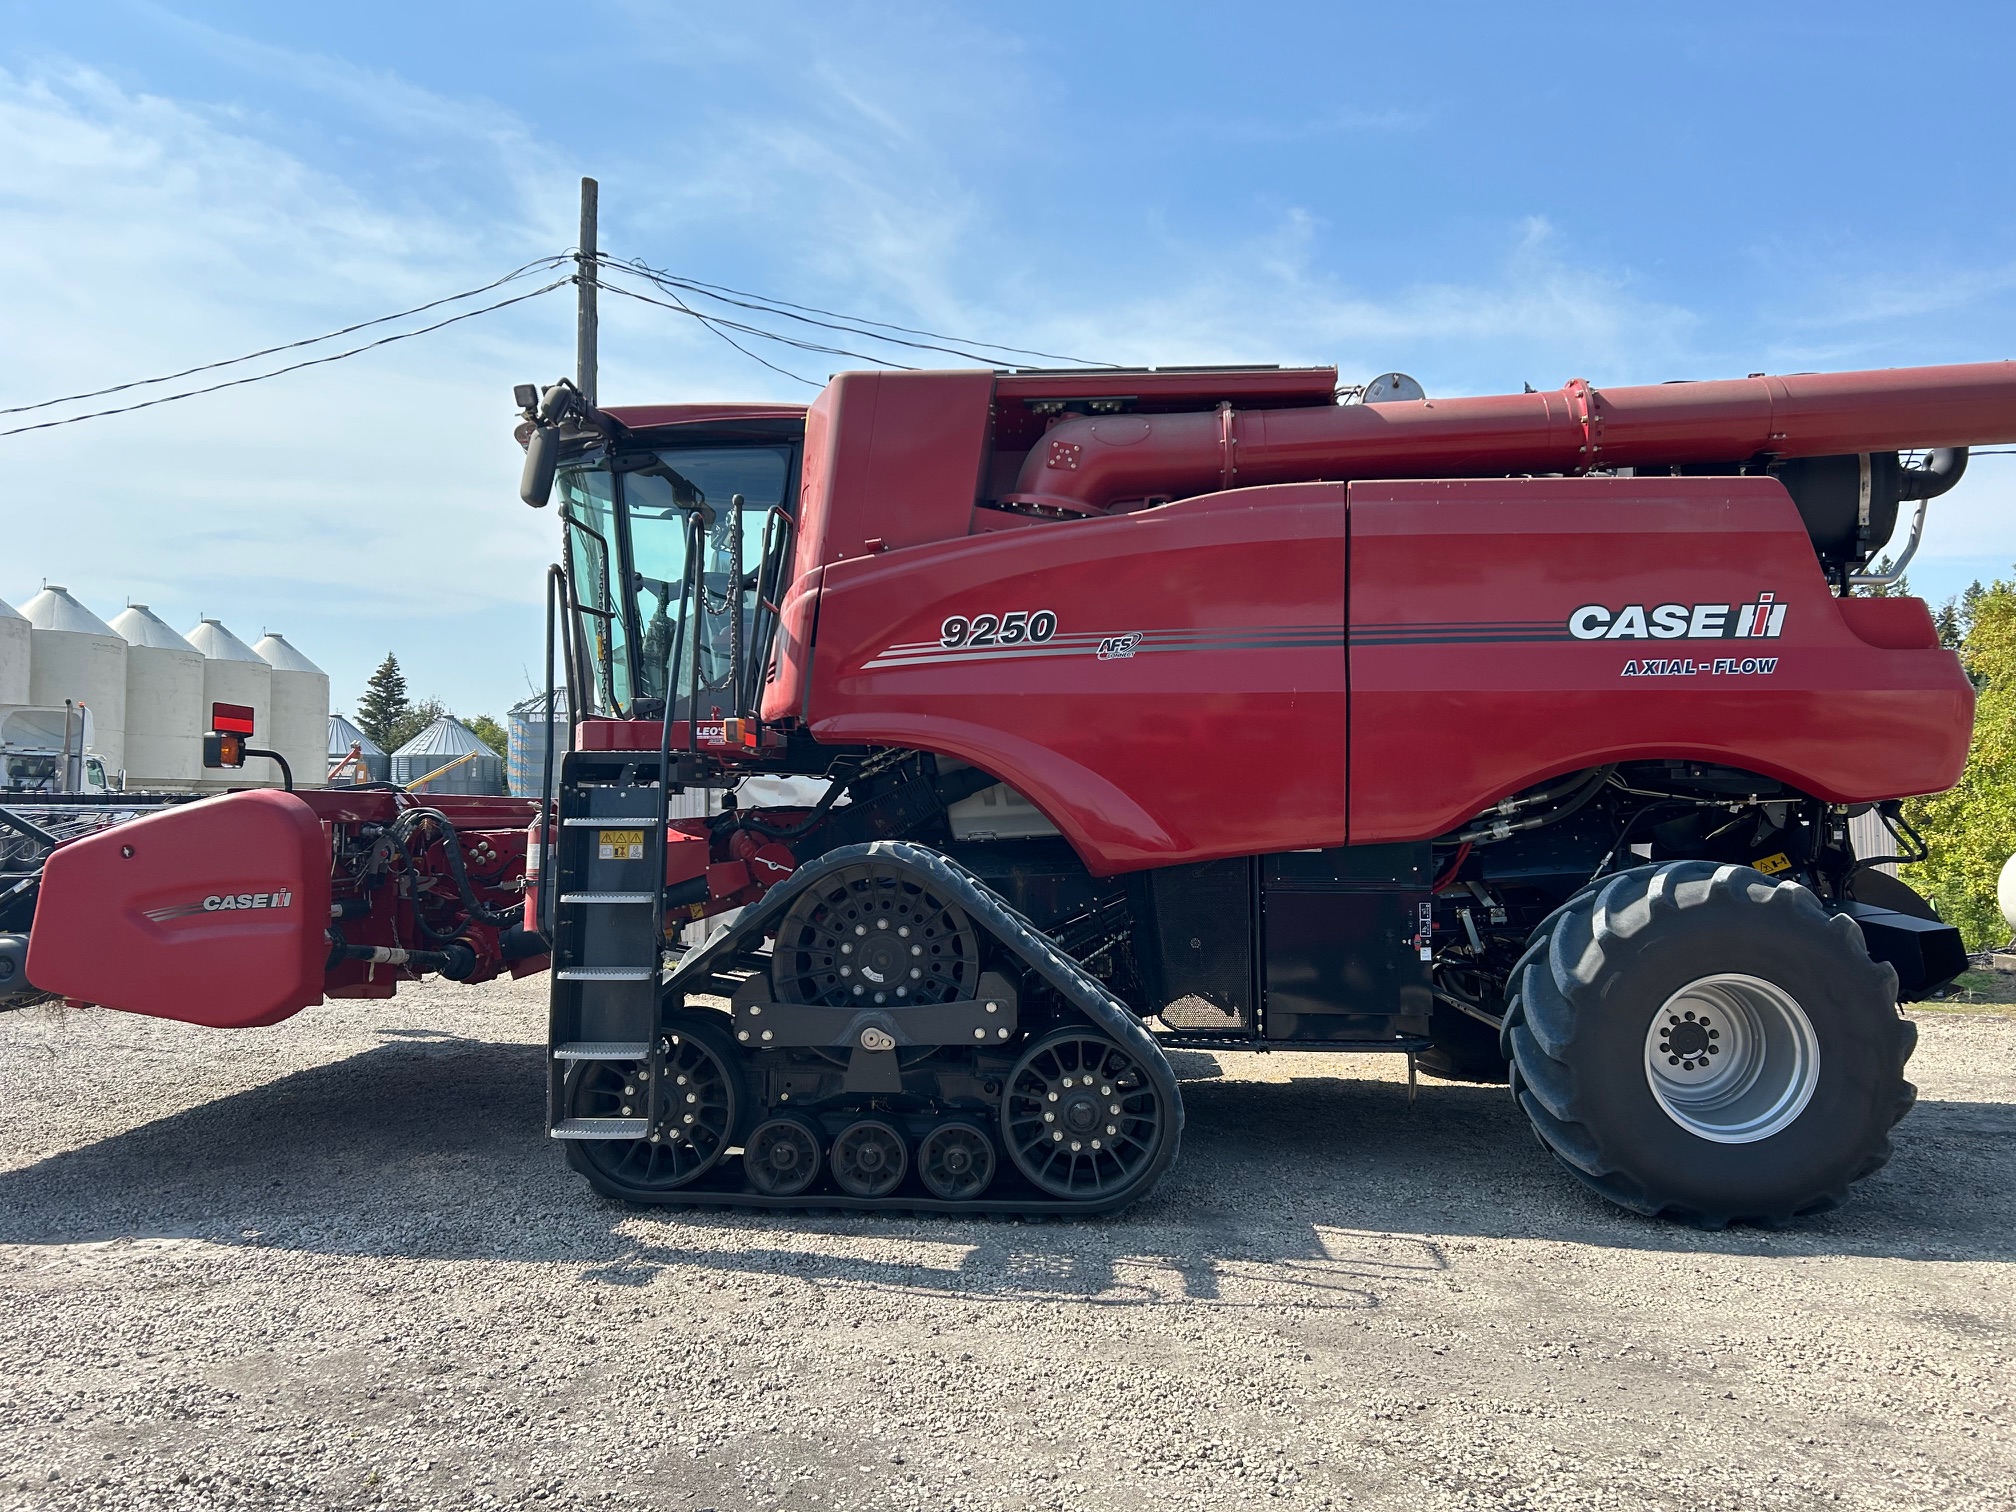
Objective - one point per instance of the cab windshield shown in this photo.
(671, 554)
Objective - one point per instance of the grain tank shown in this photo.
(165, 712)
(300, 726)
(75, 655)
(234, 673)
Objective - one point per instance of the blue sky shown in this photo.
(1478, 195)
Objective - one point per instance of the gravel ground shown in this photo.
(335, 1264)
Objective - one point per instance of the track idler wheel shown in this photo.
(781, 1156)
(955, 1161)
(871, 935)
(869, 1158)
(1081, 1119)
(700, 1102)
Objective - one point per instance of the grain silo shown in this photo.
(165, 712)
(73, 654)
(234, 673)
(442, 743)
(529, 736)
(14, 636)
(300, 709)
(371, 765)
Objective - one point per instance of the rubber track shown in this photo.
(1010, 930)
(1564, 958)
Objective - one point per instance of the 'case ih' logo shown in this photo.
(1764, 620)
(223, 902)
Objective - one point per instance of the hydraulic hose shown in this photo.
(1503, 828)
(412, 820)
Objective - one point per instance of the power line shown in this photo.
(681, 307)
(712, 326)
(851, 324)
(294, 367)
(207, 367)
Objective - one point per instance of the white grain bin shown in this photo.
(14, 637)
(374, 765)
(234, 673)
(74, 654)
(300, 710)
(440, 744)
(165, 712)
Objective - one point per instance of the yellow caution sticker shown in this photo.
(1772, 865)
(622, 845)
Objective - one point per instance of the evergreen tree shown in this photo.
(385, 707)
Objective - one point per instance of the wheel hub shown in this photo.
(1732, 1058)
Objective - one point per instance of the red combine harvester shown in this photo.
(1194, 708)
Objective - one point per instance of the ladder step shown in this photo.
(602, 1050)
(606, 897)
(602, 1128)
(609, 821)
(606, 974)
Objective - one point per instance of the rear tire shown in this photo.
(1767, 1119)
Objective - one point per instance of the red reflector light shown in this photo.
(231, 719)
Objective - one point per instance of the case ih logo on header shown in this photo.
(221, 902)
(1764, 620)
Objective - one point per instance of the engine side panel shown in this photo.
(213, 913)
(1184, 699)
(1472, 675)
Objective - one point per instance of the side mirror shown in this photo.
(542, 456)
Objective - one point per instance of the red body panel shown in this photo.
(1193, 700)
(1219, 731)
(1467, 683)
(213, 912)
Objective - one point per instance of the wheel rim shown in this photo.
(1080, 1118)
(781, 1157)
(956, 1161)
(1732, 1058)
(872, 935)
(869, 1159)
(696, 1115)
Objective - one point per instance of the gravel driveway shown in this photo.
(335, 1264)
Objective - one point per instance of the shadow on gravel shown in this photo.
(1323, 1191)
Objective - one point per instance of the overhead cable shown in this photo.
(853, 325)
(681, 307)
(207, 367)
(294, 367)
(713, 326)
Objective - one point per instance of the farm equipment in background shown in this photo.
(1160, 708)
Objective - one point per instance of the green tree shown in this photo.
(494, 734)
(384, 704)
(416, 718)
(1971, 829)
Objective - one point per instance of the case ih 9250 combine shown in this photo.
(1164, 708)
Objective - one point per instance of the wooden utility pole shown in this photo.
(584, 286)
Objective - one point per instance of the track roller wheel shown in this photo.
(875, 934)
(956, 1161)
(1081, 1119)
(870, 1158)
(781, 1156)
(700, 1104)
